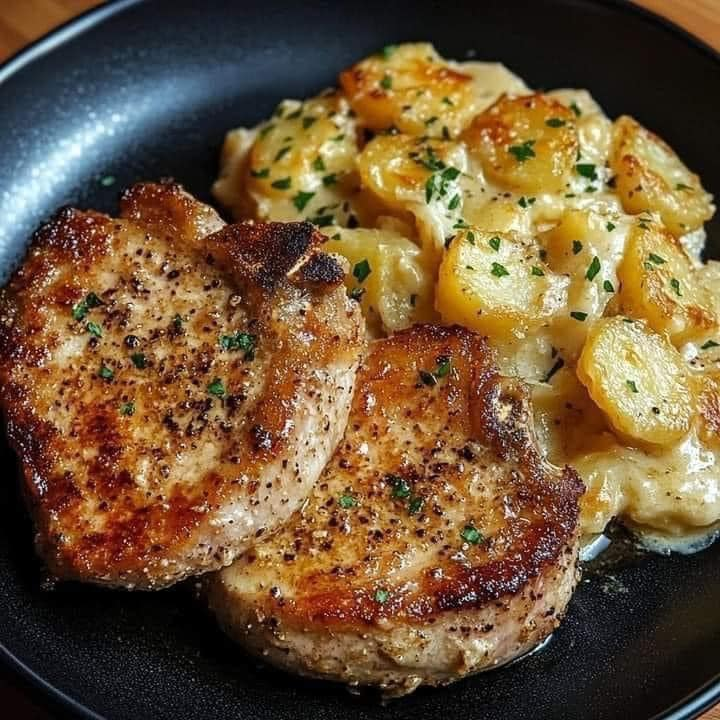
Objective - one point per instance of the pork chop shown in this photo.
(437, 543)
(173, 387)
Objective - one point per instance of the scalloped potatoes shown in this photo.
(570, 240)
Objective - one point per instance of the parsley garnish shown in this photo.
(262, 173)
(127, 408)
(281, 153)
(302, 199)
(240, 341)
(524, 202)
(709, 344)
(494, 243)
(471, 535)
(308, 121)
(139, 360)
(329, 179)
(555, 122)
(106, 373)
(535, 270)
(608, 286)
(81, 309)
(656, 259)
(401, 489)
(522, 152)
(576, 247)
(587, 170)
(682, 186)
(281, 184)
(593, 268)
(356, 294)
(558, 364)
(347, 501)
(216, 388)
(266, 130)
(610, 227)
(381, 596)
(454, 202)
(444, 364)
(322, 220)
(498, 270)
(94, 329)
(361, 270)
(631, 384)
(319, 164)
(578, 315)
(575, 108)
(675, 285)
(387, 51)
(386, 82)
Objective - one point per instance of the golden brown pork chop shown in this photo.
(173, 387)
(437, 542)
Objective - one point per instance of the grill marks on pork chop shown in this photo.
(437, 541)
(173, 387)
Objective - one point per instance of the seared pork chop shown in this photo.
(437, 543)
(173, 387)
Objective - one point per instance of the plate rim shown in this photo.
(692, 705)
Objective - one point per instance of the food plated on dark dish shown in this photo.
(453, 334)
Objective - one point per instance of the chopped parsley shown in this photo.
(262, 173)
(431, 120)
(578, 315)
(386, 82)
(319, 164)
(470, 237)
(593, 268)
(302, 199)
(587, 170)
(559, 363)
(81, 309)
(631, 384)
(444, 364)
(610, 227)
(675, 285)
(454, 202)
(322, 220)
(139, 360)
(555, 122)
(347, 502)
(427, 378)
(329, 179)
(127, 408)
(308, 121)
(522, 152)
(656, 259)
(535, 270)
(682, 186)
(282, 183)
(576, 247)
(415, 504)
(356, 294)
(94, 329)
(498, 270)
(381, 596)
(709, 344)
(240, 341)
(400, 487)
(387, 51)
(524, 202)
(472, 535)
(216, 388)
(494, 243)
(281, 153)
(575, 108)
(266, 130)
(106, 373)
(361, 270)
(608, 286)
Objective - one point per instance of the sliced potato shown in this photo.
(587, 247)
(410, 87)
(387, 275)
(638, 379)
(650, 176)
(302, 163)
(496, 283)
(660, 284)
(528, 143)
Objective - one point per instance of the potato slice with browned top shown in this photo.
(650, 176)
(638, 379)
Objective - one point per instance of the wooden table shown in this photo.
(22, 21)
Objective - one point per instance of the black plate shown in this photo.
(142, 90)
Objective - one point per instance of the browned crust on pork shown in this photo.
(98, 522)
(478, 404)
